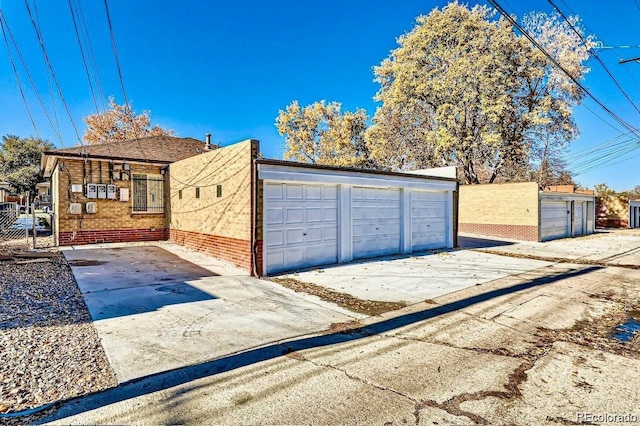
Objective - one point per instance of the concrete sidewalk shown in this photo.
(159, 306)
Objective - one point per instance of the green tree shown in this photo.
(463, 89)
(20, 161)
(120, 123)
(321, 133)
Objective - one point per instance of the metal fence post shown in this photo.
(33, 223)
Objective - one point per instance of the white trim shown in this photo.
(280, 173)
(559, 196)
(345, 224)
(406, 243)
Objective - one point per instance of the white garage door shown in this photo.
(376, 221)
(301, 226)
(428, 220)
(553, 220)
(578, 218)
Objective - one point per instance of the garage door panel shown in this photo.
(554, 221)
(274, 216)
(295, 215)
(275, 237)
(301, 226)
(428, 220)
(376, 221)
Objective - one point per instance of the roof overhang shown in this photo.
(565, 196)
(49, 159)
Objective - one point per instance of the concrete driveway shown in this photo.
(160, 306)
(612, 246)
(416, 278)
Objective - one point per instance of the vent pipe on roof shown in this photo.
(207, 144)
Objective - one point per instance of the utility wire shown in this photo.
(91, 55)
(594, 55)
(26, 70)
(53, 74)
(84, 59)
(115, 52)
(15, 73)
(56, 128)
(528, 36)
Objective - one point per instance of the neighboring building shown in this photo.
(43, 194)
(634, 213)
(113, 192)
(5, 191)
(521, 211)
(270, 216)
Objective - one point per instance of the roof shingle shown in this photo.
(166, 149)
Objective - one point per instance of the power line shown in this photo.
(528, 36)
(91, 55)
(84, 60)
(49, 85)
(595, 55)
(48, 62)
(15, 73)
(115, 52)
(33, 85)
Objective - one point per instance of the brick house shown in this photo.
(522, 211)
(113, 192)
(265, 216)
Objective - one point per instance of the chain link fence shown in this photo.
(25, 227)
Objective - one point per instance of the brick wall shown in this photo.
(216, 221)
(508, 210)
(115, 221)
(514, 232)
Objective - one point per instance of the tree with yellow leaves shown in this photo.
(120, 123)
(321, 133)
(464, 89)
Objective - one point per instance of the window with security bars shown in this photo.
(147, 193)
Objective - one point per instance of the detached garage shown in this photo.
(271, 216)
(634, 213)
(315, 215)
(521, 211)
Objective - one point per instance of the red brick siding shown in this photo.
(514, 232)
(259, 244)
(233, 250)
(611, 222)
(68, 238)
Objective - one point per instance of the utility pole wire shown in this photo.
(115, 52)
(84, 60)
(528, 36)
(15, 73)
(594, 55)
(55, 79)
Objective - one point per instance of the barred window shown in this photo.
(147, 193)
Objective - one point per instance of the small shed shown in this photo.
(522, 211)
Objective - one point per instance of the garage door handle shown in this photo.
(304, 233)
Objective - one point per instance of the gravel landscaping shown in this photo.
(50, 349)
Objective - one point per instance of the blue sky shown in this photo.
(227, 67)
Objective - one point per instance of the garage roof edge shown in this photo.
(350, 169)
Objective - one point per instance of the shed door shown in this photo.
(578, 218)
(301, 226)
(554, 221)
(428, 220)
(376, 221)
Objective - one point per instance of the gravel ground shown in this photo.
(50, 349)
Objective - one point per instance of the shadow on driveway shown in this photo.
(161, 381)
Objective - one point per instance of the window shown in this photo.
(197, 192)
(180, 194)
(219, 191)
(147, 194)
